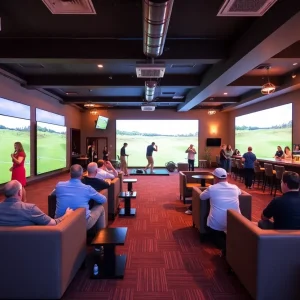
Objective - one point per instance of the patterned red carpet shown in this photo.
(165, 259)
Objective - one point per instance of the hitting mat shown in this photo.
(157, 172)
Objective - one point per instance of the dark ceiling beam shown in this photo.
(256, 81)
(289, 84)
(292, 51)
(98, 100)
(53, 50)
(268, 35)
(104, 80)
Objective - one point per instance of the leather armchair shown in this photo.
(187, 182)
(265, 261)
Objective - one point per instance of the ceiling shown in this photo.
(210, 61)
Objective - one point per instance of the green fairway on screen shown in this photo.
(173, 137)
(51, 146)
(264, 131)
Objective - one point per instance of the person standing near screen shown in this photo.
(105, 153)
(92, 155)
(249, 159)
(191, 156)
(149, 156)
(123, 155)
(18, 167)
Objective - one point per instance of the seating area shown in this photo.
(164, 253)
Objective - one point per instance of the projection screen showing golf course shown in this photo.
(171, 136)
(14, 127)
(264, 131)
(51, 142)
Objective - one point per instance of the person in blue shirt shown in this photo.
(249, 159)
(149, 156)
(74, 194)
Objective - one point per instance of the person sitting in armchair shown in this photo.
(91, 179)
(14, 212)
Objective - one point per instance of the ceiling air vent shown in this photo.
(245, 8)
(150, 71)
(31, 66)
(174, 66)
(70, 7)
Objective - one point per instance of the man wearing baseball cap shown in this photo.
(223, 196)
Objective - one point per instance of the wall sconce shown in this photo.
(212, 112)
(213, 129)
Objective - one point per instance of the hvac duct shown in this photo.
(150, 90)
(156, 15)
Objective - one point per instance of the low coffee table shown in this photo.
(202, 178)
(110, 265)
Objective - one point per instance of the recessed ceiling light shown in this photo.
(295, 64)
(100, 66)
(225, 93)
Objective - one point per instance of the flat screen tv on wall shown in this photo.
(213, 142)
(101, 122)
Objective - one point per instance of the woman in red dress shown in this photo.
(18, 169)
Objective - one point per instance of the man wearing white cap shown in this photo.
(222, 196)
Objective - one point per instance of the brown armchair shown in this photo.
(201, 209)
(187, 182)
(265, 261)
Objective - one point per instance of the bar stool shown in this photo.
(279, 171)
(240, 168)
(269, 177)
(258, 174)
(233, 168)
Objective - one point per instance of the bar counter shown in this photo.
(289, 164)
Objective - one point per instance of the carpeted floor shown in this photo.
(165, 259)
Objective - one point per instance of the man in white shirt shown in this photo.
(191, 151)
(106, 170)
(222, 196)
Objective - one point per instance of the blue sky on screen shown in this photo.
(159, 126)
(56, 128)
(49, 117)
(11, 122)
(14, 109)
(266, 118)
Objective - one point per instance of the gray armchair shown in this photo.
(265, 261)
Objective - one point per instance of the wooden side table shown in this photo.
(110, 265)
(127, 211)
(129, 182)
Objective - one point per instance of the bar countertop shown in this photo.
(287, 162)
